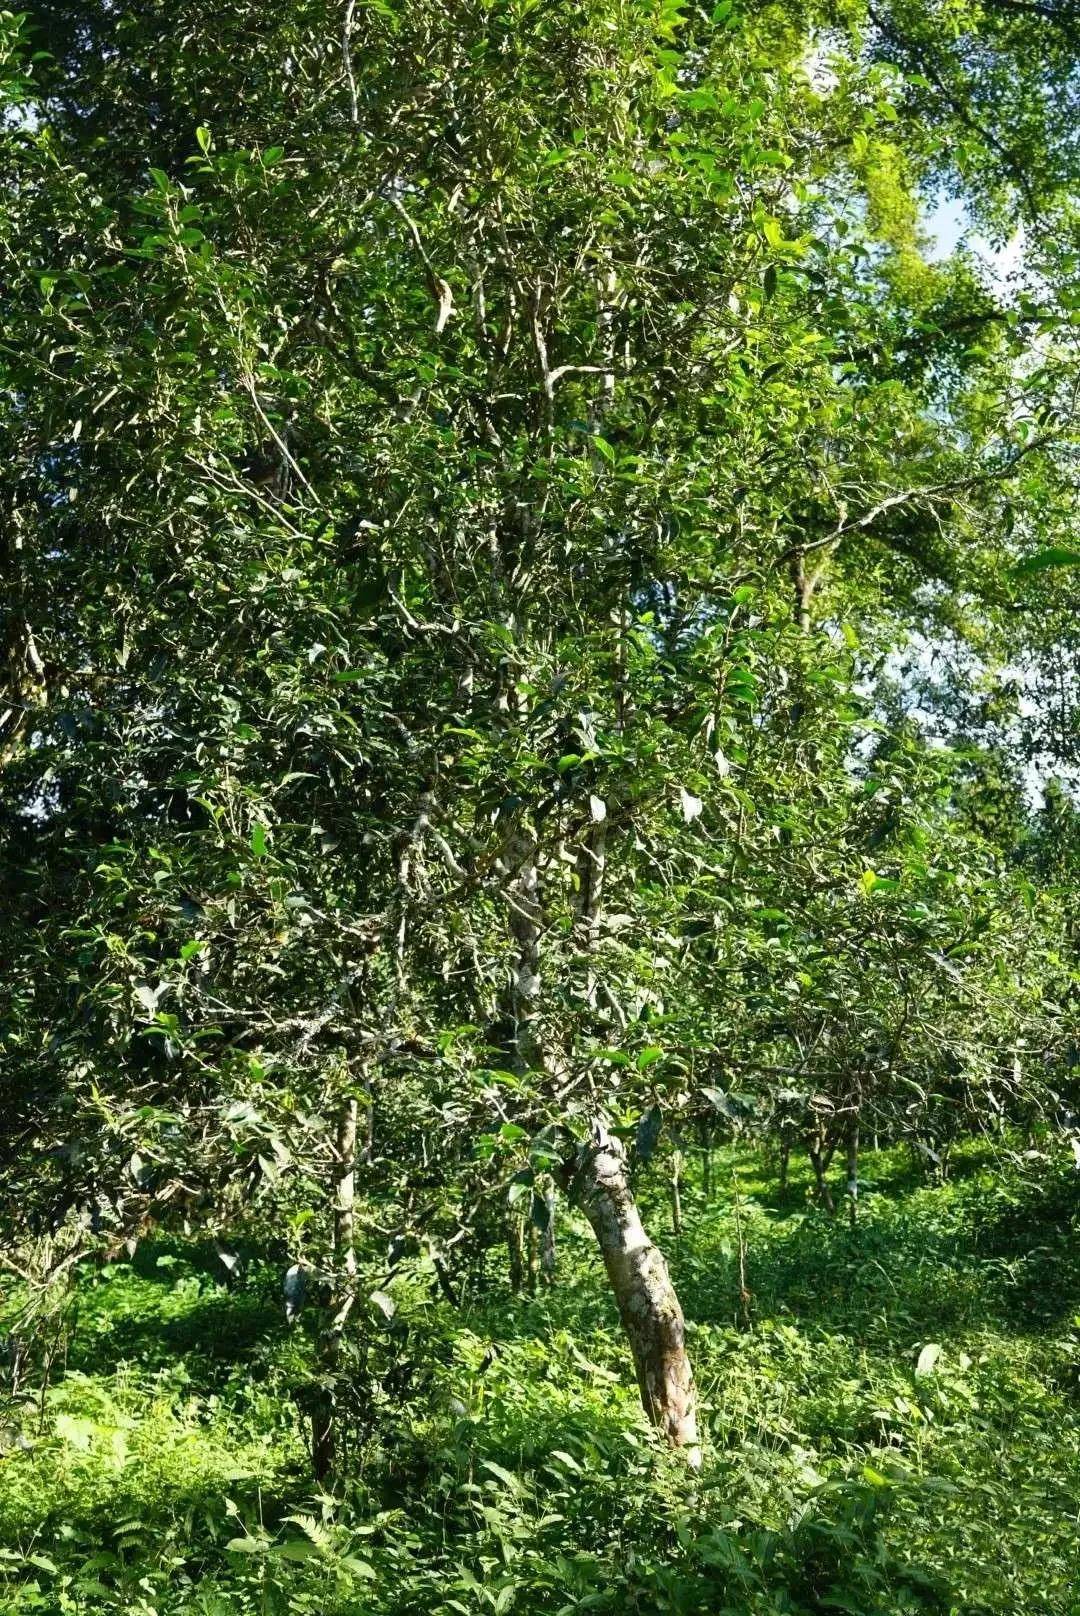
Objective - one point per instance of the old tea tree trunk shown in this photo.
(648, 1305)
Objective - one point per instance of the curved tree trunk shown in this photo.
(648, 1305)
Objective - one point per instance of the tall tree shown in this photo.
(442, 448)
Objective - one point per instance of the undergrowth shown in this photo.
(892, 1421)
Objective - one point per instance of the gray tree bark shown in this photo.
(648, 1306)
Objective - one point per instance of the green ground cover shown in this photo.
(893, 1427)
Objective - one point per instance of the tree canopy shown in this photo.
(539, 618)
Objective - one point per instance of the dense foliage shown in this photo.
(538, 639)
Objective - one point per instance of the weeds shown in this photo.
(893, 1427)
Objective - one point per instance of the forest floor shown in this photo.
(892, 1420)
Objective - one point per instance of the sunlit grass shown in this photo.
(893, 1426)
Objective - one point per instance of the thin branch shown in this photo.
(346, 58)
(440, 289)
(279, 441)
(909, 496)
(560, 371)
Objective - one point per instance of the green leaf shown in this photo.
(1044, 560)
(202, 136)
(258, 839)
(870, 882)
(359, 1568)
(297, 1548)
(271, 1170)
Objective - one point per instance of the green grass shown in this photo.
(838, 1478)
